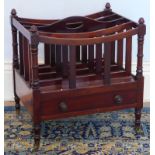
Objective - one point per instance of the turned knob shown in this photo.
(118, 99)
(63, 106)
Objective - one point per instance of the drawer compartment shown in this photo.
(85, 102)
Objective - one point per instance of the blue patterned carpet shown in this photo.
(110, 133)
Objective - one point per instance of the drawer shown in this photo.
(85, 102)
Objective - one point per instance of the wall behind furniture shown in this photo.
(133, 9)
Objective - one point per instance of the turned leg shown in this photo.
(17, 104)
(137, 118)
(36, 136)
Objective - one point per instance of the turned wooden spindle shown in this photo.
(35, 84)
(15, 58)
(141, 33)
(14, 39)
(139, 72)
(112, 44)
(34, 56)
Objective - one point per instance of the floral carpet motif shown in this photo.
(111, 133)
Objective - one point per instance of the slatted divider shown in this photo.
(26, 58)
(128, 56)
(58, 58)
(72, 67)
(30, 64)
(65, 60)
(91, 55)
(21, 65)
(120, 53)
(107, 63)
(113, 52)
(47, 54)
(98, 58)
(84, 54)
(25, 67)
(78, 53)
(53, 53)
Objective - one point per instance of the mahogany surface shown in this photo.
(86, 69)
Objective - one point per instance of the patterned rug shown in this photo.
(109, 133)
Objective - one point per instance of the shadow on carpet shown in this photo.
(109, 133)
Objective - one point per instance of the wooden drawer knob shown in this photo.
(63, 106)
(118, 99)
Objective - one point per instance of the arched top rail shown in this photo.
(40, 22)
(97, 33)
(87, 41)
(80, 24)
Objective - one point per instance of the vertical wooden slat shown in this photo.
(30, 64)
(98, 58)
(26, 59)
(91, 57)
(52, 55)
(21, 66)
(72, 67)
(78, 53)
(113, 52)
(84, 54)
(65, 60)
(107, 63)
(47, 52)
(128, 57)
(120, 53)
(58, 58)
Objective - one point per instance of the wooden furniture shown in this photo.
(86, 69)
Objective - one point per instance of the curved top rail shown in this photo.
(63, 25)
(79, 24)
(100, 32)
(87, 41)
(30, 21)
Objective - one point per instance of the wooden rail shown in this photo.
(87, 41)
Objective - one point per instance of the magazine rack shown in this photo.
(86, 68)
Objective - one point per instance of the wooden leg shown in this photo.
(17, 104)
(137, 118)
(36, 136)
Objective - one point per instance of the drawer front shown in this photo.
(75, 104)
